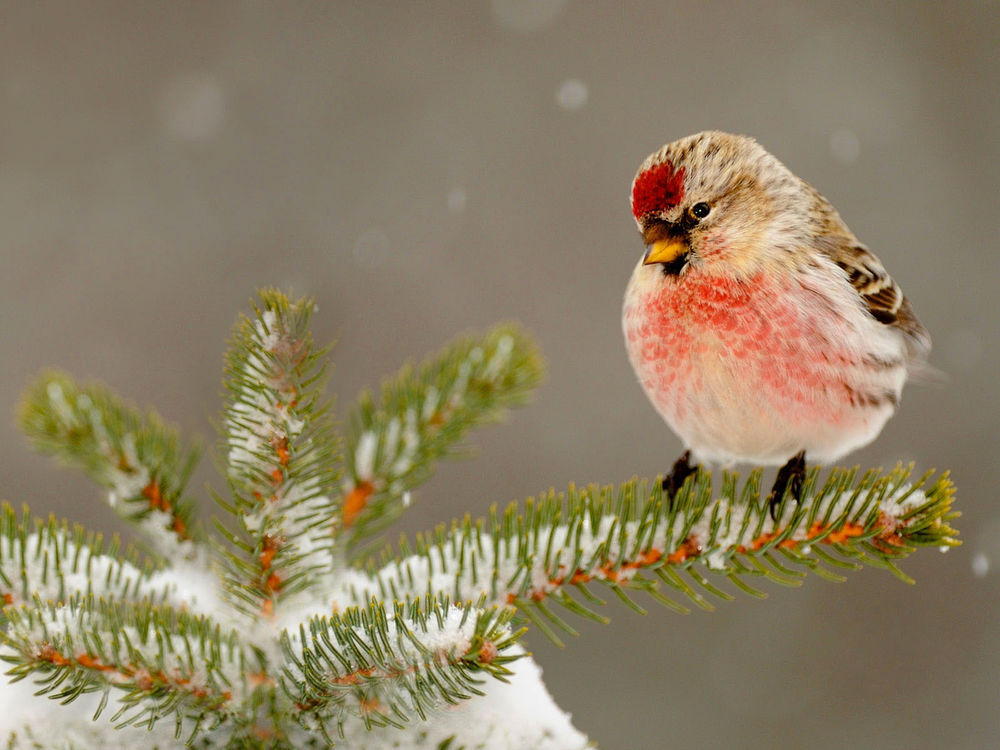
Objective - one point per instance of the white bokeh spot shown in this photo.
(527, 15)
(572, 94)
(457, 200)
(980, 565)
(845, 145)
(192, 107)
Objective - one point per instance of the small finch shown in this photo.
(761, 329)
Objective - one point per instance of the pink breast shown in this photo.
(692, 334)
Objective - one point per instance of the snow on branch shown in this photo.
(632, 538)
(53, 562)
(386, 669)
(280, 455)
(137, 457)
(163, 662)
(422, 414)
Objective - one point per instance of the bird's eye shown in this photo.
(700, 210)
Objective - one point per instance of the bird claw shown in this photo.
(680, 471)
(790, 478)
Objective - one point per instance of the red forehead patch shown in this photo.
(657, 189)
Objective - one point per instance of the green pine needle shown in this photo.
(51, 560)
(135, 455)
(162, 662)
(610, 536)
(423, 414)
(281, 453)
(351, 665)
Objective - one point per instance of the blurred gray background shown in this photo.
(427, 168)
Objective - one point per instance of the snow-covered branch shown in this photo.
(388, 668)
(620, 537)
(422, 415)
(280, 453)
(164, 662)
(141, 460)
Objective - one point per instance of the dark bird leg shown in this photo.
(790, 477)
(681, 470)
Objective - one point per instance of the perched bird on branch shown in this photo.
(760, 327)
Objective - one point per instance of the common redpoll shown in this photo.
(759, 326)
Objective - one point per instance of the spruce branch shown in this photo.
(632, 539)
(280, 452)
(141, 460)
(163, 662)
(53, 561)
(332, 653)
(385, 669)
(421, 415)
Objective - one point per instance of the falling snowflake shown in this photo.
(845, 146)
(457, 199)
(980, 565)
(572, 94)
(527, 15)
(192, 107)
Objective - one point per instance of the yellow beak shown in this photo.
(666, 251)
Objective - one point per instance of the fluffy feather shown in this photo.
(780, 331)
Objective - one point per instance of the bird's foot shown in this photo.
(790, 477)
(680, 471)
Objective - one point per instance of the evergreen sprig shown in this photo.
(54, 561)
(632, 538)
(281, 454)
(163, 662)
(140, 459)
(384, 668)
(421, 415)
(276, 638)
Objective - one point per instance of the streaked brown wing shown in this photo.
(882, 296)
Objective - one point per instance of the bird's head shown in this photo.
(714, 200)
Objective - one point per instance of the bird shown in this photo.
(759, 326)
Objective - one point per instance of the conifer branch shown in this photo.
(370, 654)
(52, 561)
(163, 662)
(280, 453)
(422, 415)
(386, 669)
(633, 539)
(140, 459)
